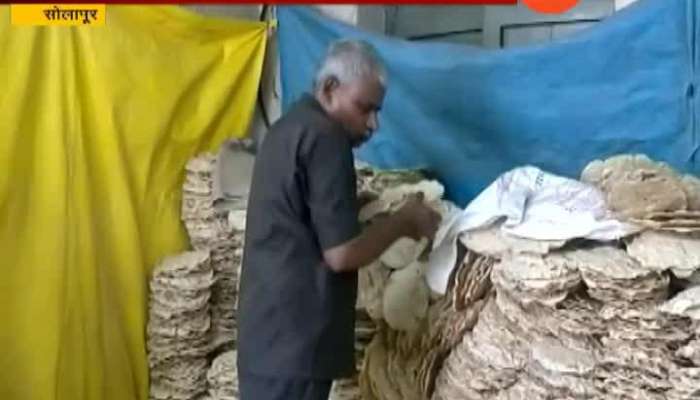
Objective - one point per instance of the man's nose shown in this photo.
(373, 122)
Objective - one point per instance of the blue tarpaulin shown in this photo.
(625, 85)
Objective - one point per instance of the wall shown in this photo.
(619, 4)
(372, 18)
(483, 24)
(443, 23)
(507, 26)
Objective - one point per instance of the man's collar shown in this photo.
(310, 101)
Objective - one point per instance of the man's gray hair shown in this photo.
(348, 60)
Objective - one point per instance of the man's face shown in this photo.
(355, 105)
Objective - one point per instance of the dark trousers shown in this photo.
(256, 387)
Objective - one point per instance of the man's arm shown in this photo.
(332, 202)
(366, 247)
(415, 220)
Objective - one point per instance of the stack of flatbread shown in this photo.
(647, 192)
(178, 326)
(220, 231)
(198, 212)
(223, 377)
(586, 320)
(393, 291)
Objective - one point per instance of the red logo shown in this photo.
(550, 6)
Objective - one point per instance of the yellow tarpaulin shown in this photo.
(96, 125)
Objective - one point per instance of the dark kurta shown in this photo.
(296, 316)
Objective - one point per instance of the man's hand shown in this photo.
(414, 219)
(421, 220)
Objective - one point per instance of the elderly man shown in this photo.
(303, 243)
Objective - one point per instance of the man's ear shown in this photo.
(330, 84)
(326, 92)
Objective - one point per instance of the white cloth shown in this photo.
(534, 205)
